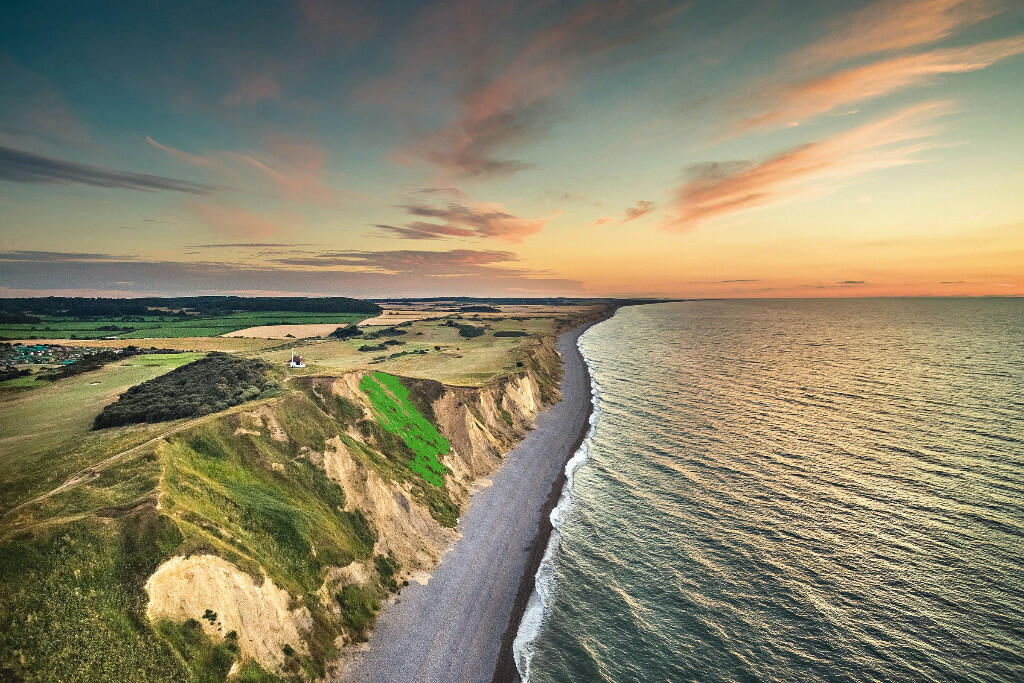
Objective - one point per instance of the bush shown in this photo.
(359, 606)
(346, 332)
(511, 333)
(387, 332)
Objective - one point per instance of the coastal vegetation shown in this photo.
(346, 332)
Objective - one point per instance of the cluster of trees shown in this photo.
(468, 331)
(382, 346)
(386, 332)
(17, 317)
(11, 372)
(206, 305)
(208, 385)
(346, 332)
(479, 309)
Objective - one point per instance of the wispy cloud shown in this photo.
(239, 221)
(508, 76)
(453, 262)
(719, 189)
(254, 88)
(810, 98)
(294, 169)
(57, 256)
(888, 25)
(460, 216)
(18, 166)
(638, 210)
(352, 273)
(247, 245)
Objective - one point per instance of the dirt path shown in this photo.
(93, 471)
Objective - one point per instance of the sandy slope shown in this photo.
(451, 629)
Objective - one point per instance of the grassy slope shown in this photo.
(46, 431)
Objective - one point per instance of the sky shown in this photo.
(526, 148)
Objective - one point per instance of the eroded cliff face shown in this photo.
(481, 424)
(410, 521)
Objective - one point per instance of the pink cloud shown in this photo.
(460, 216)
(719, 189)
(638, 210)
(821, 95)
(293, 168)
(237, 221)
(507, 76)
(887, 25)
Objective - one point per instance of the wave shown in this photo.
(539, 604)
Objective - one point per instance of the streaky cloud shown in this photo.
(18, 166)
(888, 25)
(817, 96)
(720, 189)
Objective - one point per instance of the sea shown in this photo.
(792, 490)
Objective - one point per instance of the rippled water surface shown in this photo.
(796, 490)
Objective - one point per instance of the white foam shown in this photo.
(543, 595)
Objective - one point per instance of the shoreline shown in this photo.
(461, 624)
(505, 670)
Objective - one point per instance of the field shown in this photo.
(430, 350)
(285, 331)
(46, 432)
(197, 344)
(166, 326)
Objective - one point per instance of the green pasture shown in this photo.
(152, 326)
(46, 434)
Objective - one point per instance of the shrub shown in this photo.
(511, 333)
(359, 606)
(346, 332)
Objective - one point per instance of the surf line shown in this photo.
(543, 595)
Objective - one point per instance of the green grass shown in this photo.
(168, 326)
(72, 603)
(46, 432)
(398, 415)
(207, 660)
(359, 606)
(289, 520)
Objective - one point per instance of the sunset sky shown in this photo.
(696, 149)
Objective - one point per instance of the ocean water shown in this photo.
(815, 490)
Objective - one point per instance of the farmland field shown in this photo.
(165, 326)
